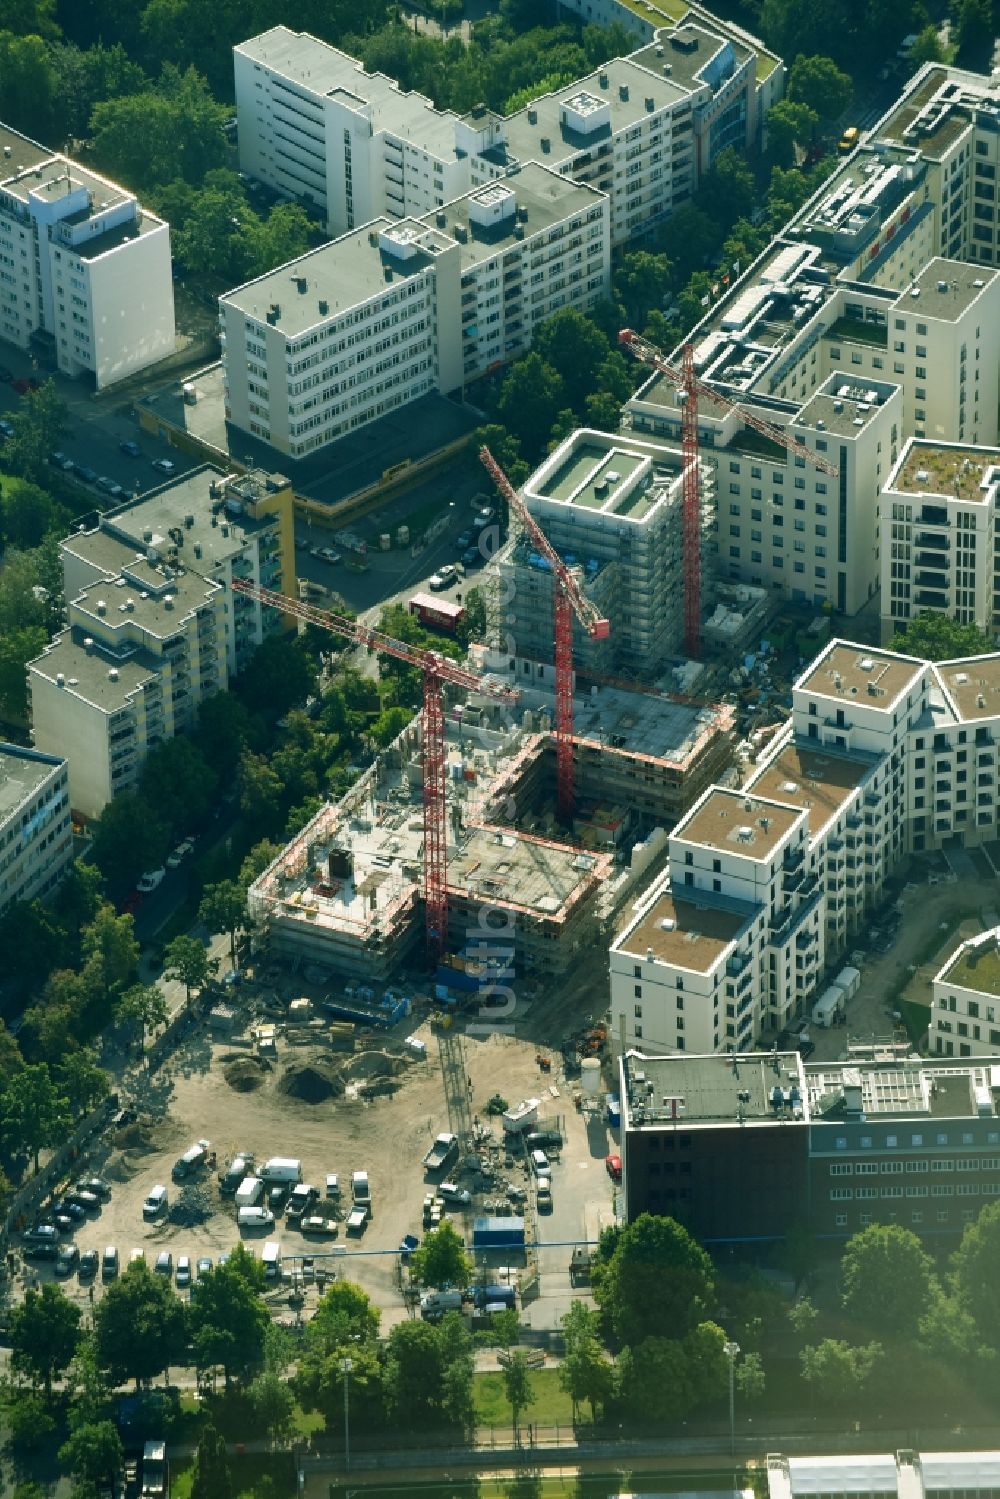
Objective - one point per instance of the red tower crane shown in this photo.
(436, 671)
(691, 388)
(569, 600)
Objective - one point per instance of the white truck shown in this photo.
(523, 1117)
(828, 1006)
(281, 1170)
(249, 1192)
(442, 1153)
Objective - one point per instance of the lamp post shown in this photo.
(346, 1365)
(732, 1351)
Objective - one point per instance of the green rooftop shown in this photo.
(854, 330)
(976, 968)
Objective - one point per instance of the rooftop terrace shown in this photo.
(976, 965)
(946, 470)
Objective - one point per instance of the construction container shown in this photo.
(402, 536)
(613, 1109)
(300, 1009)
(498, 1233)
(384, 542)
(848, 980)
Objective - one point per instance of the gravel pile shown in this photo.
(310, 1082)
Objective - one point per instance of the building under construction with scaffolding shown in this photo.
(347, 893)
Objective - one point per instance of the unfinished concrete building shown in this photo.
(346, 894)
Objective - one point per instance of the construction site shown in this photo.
(347, 894)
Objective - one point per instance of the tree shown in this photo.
(139, 1326)
(84, 1082)
(977, 1286)
(260, 856)
(788, 125)
(128, 839)
(229, 1320)
(886, 1279)
(180, 780)
(34, 1114)
(575, 348)
(818, 83)
(751, 1381)
(708, 1366)
(837, 1372)
(474, 625)
(441, 1259)
(30, 1422)
(28, 513)
(39, 422)
(44, 1335)
(517, 1386)
(224, 728)
(319, 1385)
(278, 675)
(187, 960)
(145, 1006)
(656, 1282)
(690, 237)
(926, 48)
(414, 1374)
(16, 649)
(586, 1374)
(261, 791)
(27, 83)
(283, 236)
(86, 77)
(212, 1477)
(389, 725)
(111, 956)
(93, 1453)
(506, 449)
(938, 638)
(224, 909)
(802, 1315)
(458, 1402)
(642, 281)
(975, 33)
(344, 1314)
(654, 1378)
(273, 1405)
(172, 129)
(530, 396)
(728, 190)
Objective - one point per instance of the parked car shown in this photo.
(109, 1263)
(67, 1260)
(451, 1192)
(465, 539)
(315, 1223)
(614, 1167)
(204, 1264)
(180, 853)
(85, 473)
(130, 449)
(89, 1264)
(183, 1276)
(155, 1204)
(443, 578)
(543, 1195)
(164, 466)
(277, 1197)
(110, 486)
(164, 1262)
(63, 1222)
(472, 557)
(39, 1249)
(85, 1200)
(42, 1233)
(333, 1185)
(150, 881)
(329, 555)
(316, 552)
(61, 461)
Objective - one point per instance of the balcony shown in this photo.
(931, 599)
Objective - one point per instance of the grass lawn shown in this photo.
(551, 1403)
(259, 1476)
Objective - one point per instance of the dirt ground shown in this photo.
(190, 1099)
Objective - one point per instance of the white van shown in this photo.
(254, 1218)
(435, 1303)
(540, 1163)
(271, 1260)
(155, 1204)
(281, 1169)
(249, 1192)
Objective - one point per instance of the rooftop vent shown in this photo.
(668, 924)
(532, 116)
(112, 673)
(441, 219)
(188, 521)
(88, 643)
(942, 286)
(821, 425)
(602, 79)
(147, 533)
(522, 214)
(273, 314)
(914, 291)
(922, 476)
(302, 284)
(623, 93)
(168, 601)
(961, 677)
(650, 104)
(744, 833)
(546, 145)
(668, 68)
(324, 307)
(130, 606)
(867, 664)
(102, 607)
(60, 679)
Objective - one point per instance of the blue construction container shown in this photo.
(498, 1233)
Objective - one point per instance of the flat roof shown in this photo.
(814, 780)
(935, 110)
(972, 685)
(737, 822)
(219, 523)
(721, 1089)
(947, 288)
(844, 404)
(22, 772)
(945, 470)
(595, 476)
(542, 198)
(525, 135)
(848, 672)
(142, 597)
(975, 965)
(516, 869)
(86, 673)
(688, 48)
(685, 933)
(321, 69)
(55, 175)
(24, 153)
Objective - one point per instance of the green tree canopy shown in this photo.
(39, 422)
(938, 638)
(789, 125)
(34, 1113)
(211, 1464)
(187, 960)
(441, 1260)
(343, 1315)
(278, 675)
(657, 1282)
(818, 83)
(228, 1320)
(530, 396)
(171, 129)
(128, 839)
(837, 1372)
(180, 781)
(223, 908)
(93, 1453)
(575, 348)
(886, 1279)
(82, 1080)
(517, 1386)
(977, 1285)
(139, 1326)
(44, 1335)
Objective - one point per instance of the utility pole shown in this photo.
(732, 1352)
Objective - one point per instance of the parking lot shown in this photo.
(199, 1094)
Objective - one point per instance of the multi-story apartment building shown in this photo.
(85, 281)
(612, 506)
(939, 524)
(865, 298)
(375, 319)
(152, 628)
(314, 124)
(965, 1000)
(883, 755)
(744, 1149)
(36, 831)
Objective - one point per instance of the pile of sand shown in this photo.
(244, 1074)
(310, 1082)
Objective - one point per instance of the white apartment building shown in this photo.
(152, 627)
(883, 755)
(85, 278)
(965, 1000)
(36, 831)
(860, 300)
(314, 124)
(375, 319)
(939, 528)
(611, 506)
